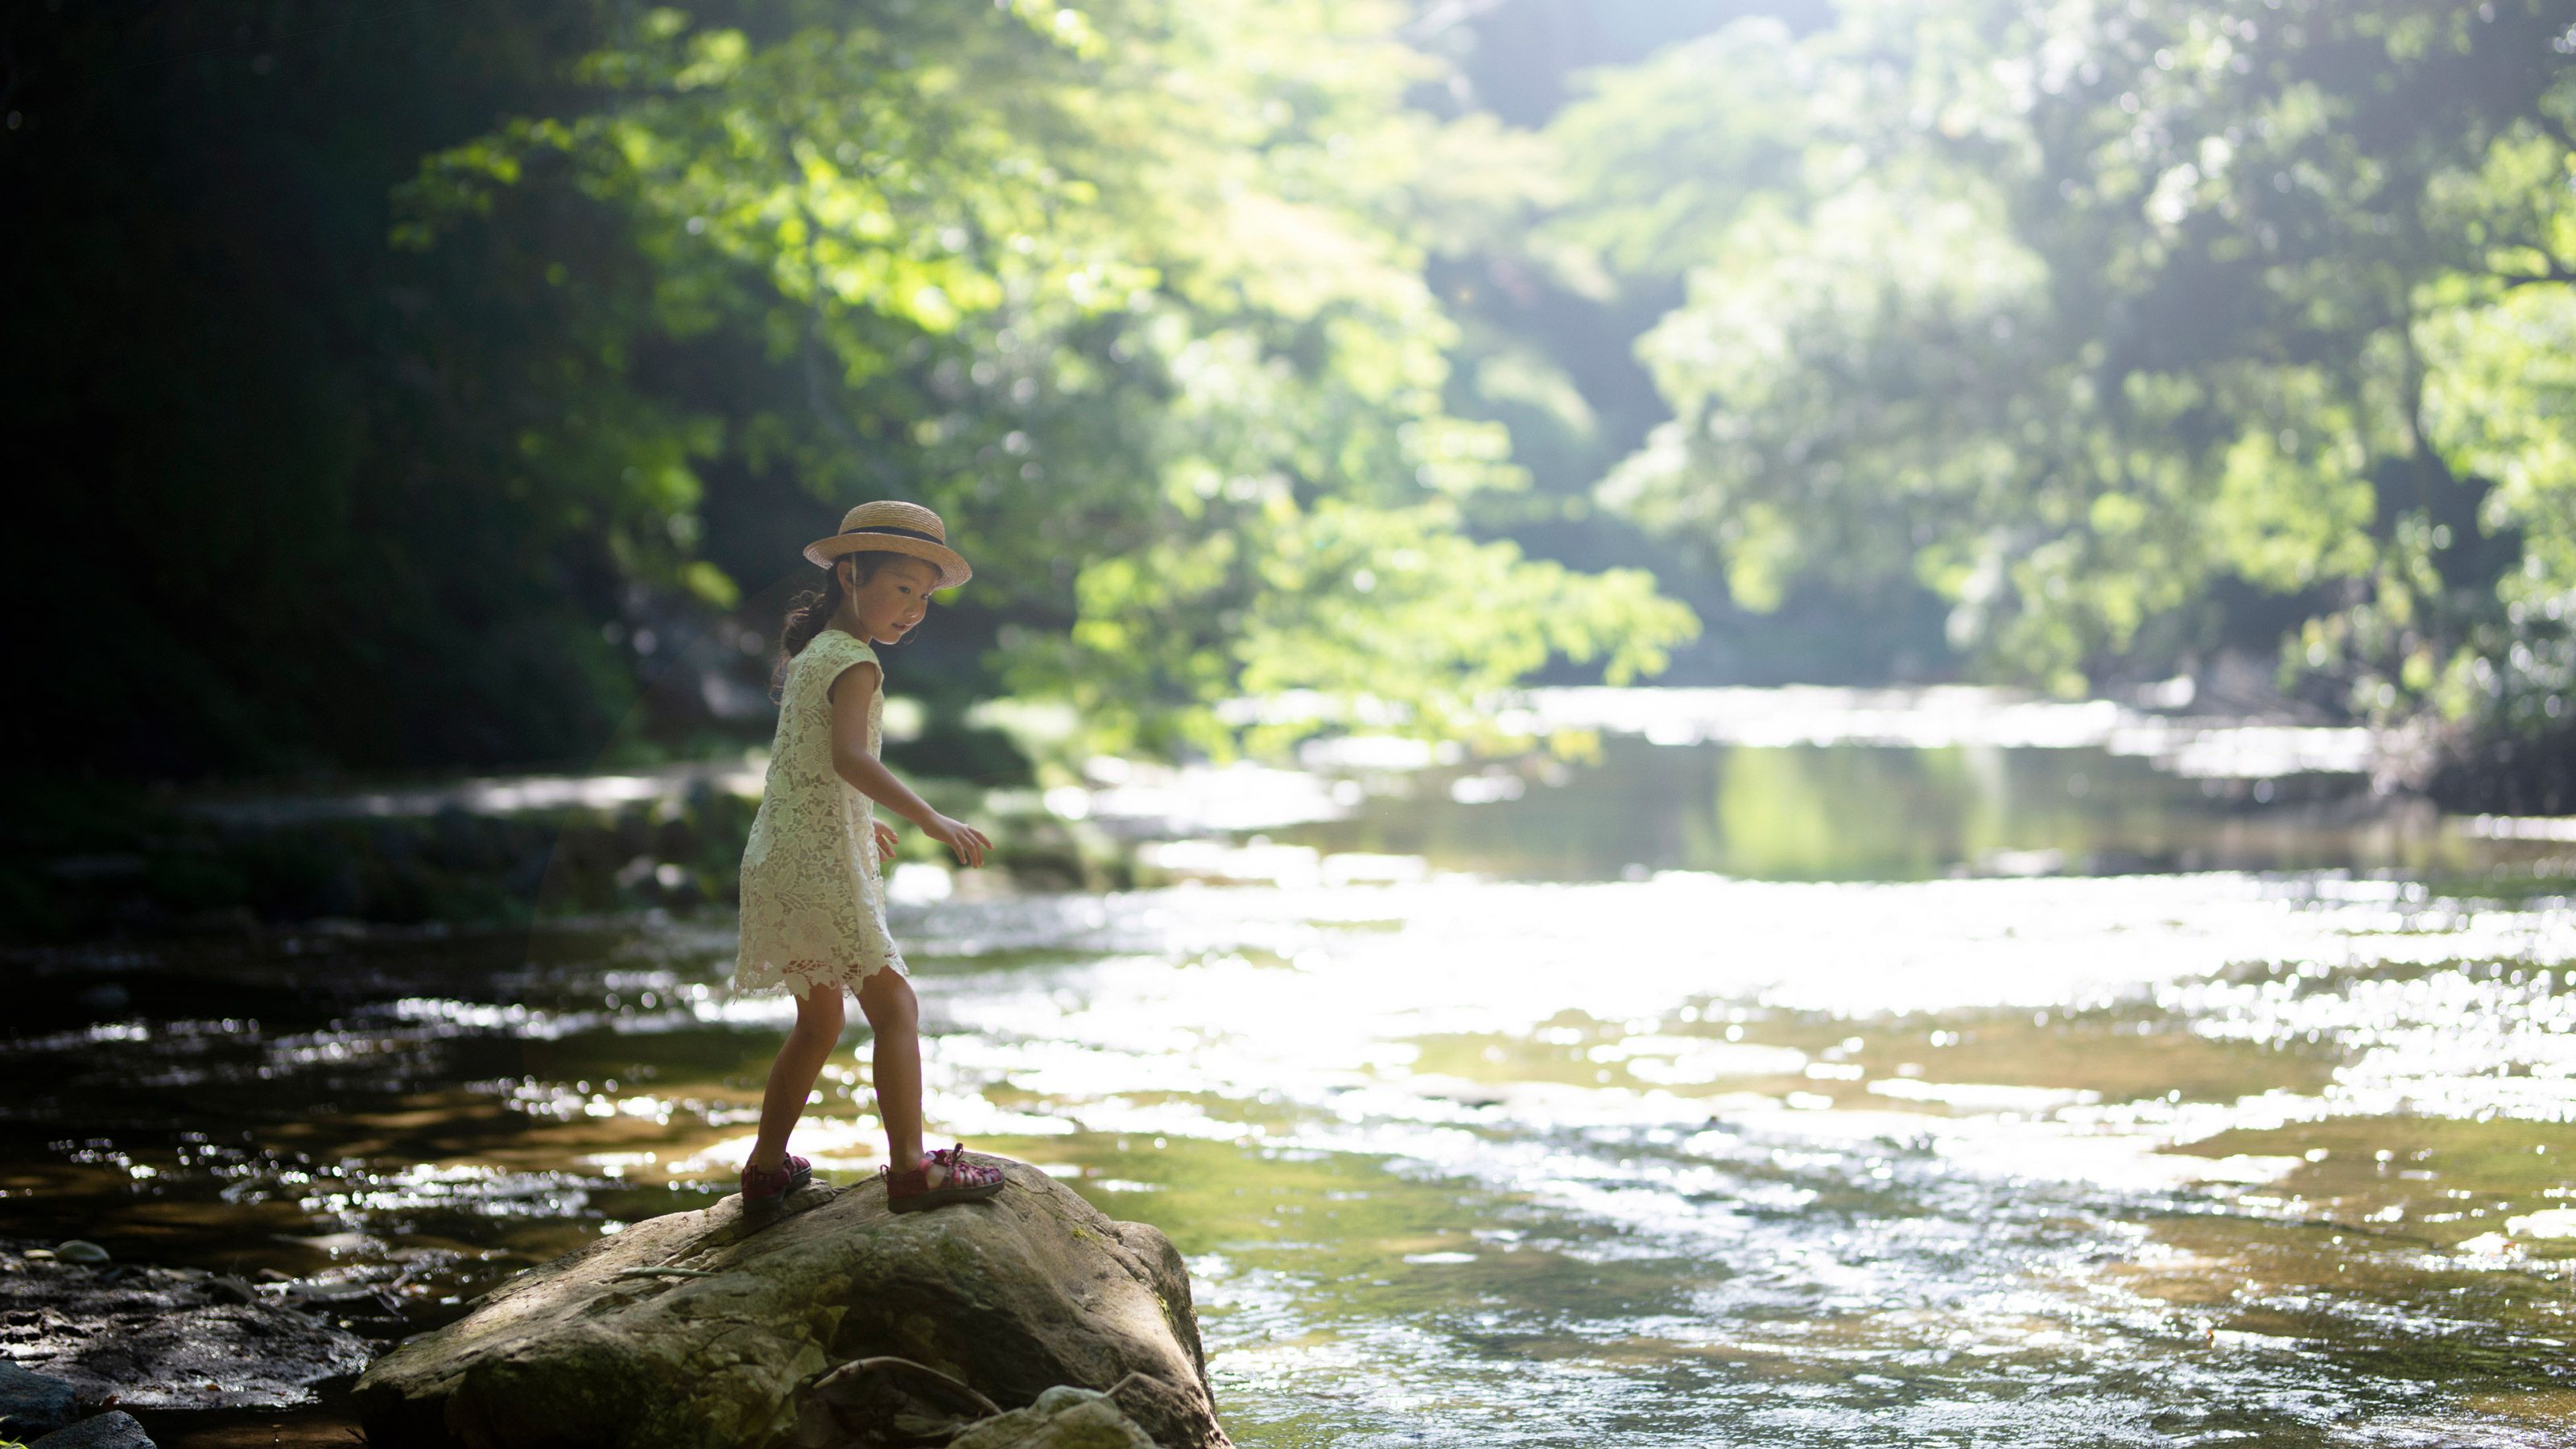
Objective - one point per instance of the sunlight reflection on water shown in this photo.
(1709, 1158)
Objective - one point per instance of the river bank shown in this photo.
(476, 852)
(87, 864)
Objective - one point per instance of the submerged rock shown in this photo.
(892, 1403)
(711, 1327)
(1062, 1418)
(164, 1338)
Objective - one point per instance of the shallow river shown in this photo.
(1716, 1093)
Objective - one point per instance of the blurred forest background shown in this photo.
(412, 386)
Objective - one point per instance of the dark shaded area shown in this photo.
(2501, 772)
(283, 509)
(266, 513)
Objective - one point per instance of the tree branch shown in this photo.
(2557, 271)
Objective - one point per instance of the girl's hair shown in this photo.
(808, 612)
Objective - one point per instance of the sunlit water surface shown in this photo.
(1718, 1094)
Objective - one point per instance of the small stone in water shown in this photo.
(80, 1250)
(32, 1404)
(115, 1429)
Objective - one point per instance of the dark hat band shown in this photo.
(903, 533)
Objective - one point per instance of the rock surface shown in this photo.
(115, 1429)
(165, 1338)
(711, 1327)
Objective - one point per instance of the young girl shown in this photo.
(813, 874)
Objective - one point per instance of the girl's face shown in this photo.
(893, 599)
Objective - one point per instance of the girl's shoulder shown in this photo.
(848, 646)
(830, 653)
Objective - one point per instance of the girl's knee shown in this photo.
(888, 1001)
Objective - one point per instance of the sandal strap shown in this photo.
(962, 1173)
(772, 1182)
(952, 1160)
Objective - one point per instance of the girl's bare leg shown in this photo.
(894, 1014)
(800, 1061)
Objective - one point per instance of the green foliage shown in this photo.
(1344, 614)
(2132, 330)
(1125, 293)
(412, 390)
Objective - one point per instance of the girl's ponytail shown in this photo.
(809, 613)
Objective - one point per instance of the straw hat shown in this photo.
(890, 526)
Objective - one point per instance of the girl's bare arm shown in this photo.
(851, 692)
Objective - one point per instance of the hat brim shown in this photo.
(953, 569)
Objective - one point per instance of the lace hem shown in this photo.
(803, 978)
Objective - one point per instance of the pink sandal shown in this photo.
(957, 1180)
(761, 1186)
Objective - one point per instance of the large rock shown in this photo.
(164, 1338)
(706, 1327)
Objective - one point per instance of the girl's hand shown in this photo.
(969, 842)
(885, 840)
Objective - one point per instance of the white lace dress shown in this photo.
(813, 893)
